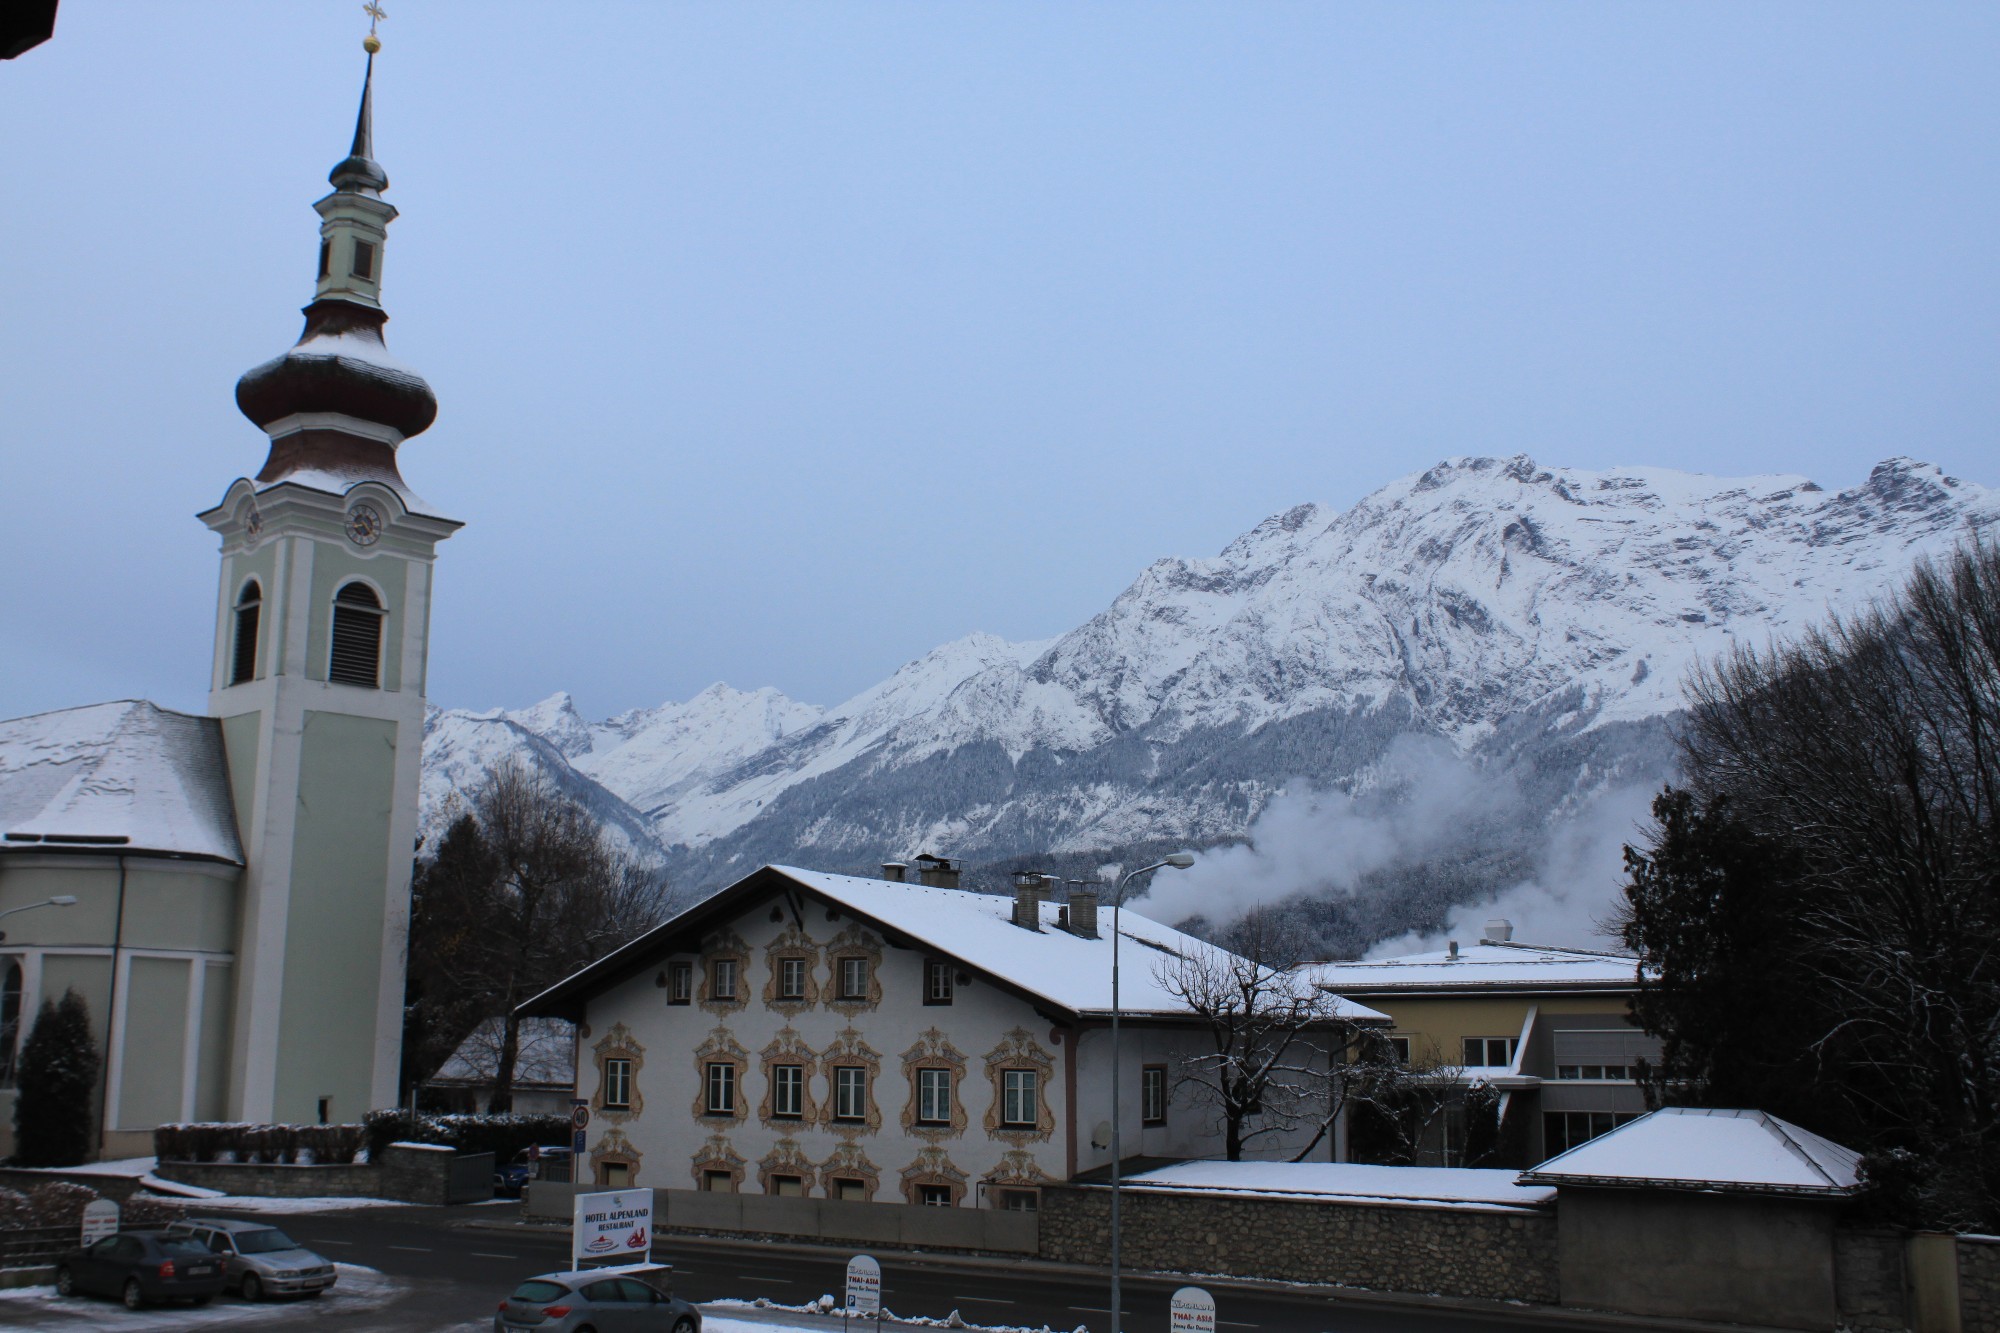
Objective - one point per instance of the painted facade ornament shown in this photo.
(849, 1051)
(849, 1161)
(721, 1049)
(788, 1049)
(716, 1154)
(934, 1051)
(854, 942)
(712, 979)
(934, 1168)
(618, 1043)
(614, 1149)
(1019, 1052)
(786, 1159)
(791, 945)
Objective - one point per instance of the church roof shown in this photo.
(128, 776)
(1699, 1148)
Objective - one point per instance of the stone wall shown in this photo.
(1979, 1284)
(413, 1175)
(1869, 1283)
(1494, 1254)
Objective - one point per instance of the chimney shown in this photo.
(937, 872)
(1030, 888)
(1451, 948)
(894, 871)
(1083, 908)
(1498, 931)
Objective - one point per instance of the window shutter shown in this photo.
(357, 638)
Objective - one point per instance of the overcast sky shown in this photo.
(777, 344)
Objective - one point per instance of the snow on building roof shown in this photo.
(1449, 1186)
(1484, 966)
(546, 1055)
(127, 776)
(1057, 968)
(1685, 1147)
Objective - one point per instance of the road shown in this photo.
(446, 1277)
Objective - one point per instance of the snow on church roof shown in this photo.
(125, 777)
(1065, 971)
(1487, 965)
(1686, 1147)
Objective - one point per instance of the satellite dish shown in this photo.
(1100, 1137)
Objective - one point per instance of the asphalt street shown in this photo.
(448, 1276)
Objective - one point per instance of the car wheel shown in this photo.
(253, 1287)
(65, 1282)
(135, 1299)
(683, 1325)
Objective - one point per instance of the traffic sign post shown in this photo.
(579, 1121)
(1192, 1310)
(864, 1289)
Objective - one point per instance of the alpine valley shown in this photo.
(1524, 625)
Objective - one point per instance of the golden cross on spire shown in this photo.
(371, 43)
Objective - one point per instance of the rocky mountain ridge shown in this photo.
(1535, 621)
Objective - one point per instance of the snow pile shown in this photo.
(826, 1306)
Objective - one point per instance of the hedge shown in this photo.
(502, 1135)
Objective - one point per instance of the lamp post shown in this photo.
(60, 900)
(1178, 861)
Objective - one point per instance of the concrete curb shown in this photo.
(1542, 1316)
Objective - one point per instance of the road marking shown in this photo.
(985, 1300)
(310, 1241)
(413, 1249)
(1100, 1309)
(481, 1254)
(1226, 1324)
(755, 1277)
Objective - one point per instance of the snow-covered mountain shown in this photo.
(1537, 620)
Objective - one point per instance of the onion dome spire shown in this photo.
(337, 401)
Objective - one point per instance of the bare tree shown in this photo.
(1281, 1061)
(528, 894)
(1819, 906)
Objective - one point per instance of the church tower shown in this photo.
(321, 651)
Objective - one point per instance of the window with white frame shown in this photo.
(1153, 1094)
(937, 981)
(721, 1088)
(722, 979)
(934, 1196)
(933, 1096)
(617, 1085)
(788, 1091)
(850, 1093)
(680, 982)
(791, 978)
(1018, 1107)
(854, 978)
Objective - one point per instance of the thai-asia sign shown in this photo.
(864, 1285)
(100, 1219)
(613, 1227)
(1192, 1310)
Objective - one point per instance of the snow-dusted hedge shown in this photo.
(268, 1144)
(501, 1135)
(60, 1203)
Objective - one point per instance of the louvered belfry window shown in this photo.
(243, 659)
(357, 637)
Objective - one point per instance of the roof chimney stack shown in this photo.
(1083, 908)
(1030, 888)
(1498, 931)
(895, 871)
(937, 872)
(1451, 949)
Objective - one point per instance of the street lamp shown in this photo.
(1178, 861)
(60, 900)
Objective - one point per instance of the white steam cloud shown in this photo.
(1426, 803)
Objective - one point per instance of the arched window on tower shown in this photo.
(357, 637)
(243, 659)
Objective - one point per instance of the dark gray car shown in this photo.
(258, 1259)
(607, 1300)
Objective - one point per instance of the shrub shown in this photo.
(15, 1210)
(59, 1203)
(151, 1210)
(57, 1076)
(501, 1135)
(331, 1144)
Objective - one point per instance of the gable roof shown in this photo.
(546, 1056)
(128, 777)
(1697, 1148)
(1486, 966)
(1064, 973)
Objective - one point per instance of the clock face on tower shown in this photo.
(364, 525)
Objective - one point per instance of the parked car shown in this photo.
(258, 1259)
(141, 1267)
(548, 1162)
(605, 1299)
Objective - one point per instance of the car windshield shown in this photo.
(183, 1247)
(538, 1292)
(264, 1240)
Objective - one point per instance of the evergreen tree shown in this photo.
(57, 1077)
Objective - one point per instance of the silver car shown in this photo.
(258, 1259)
(607, 1300)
